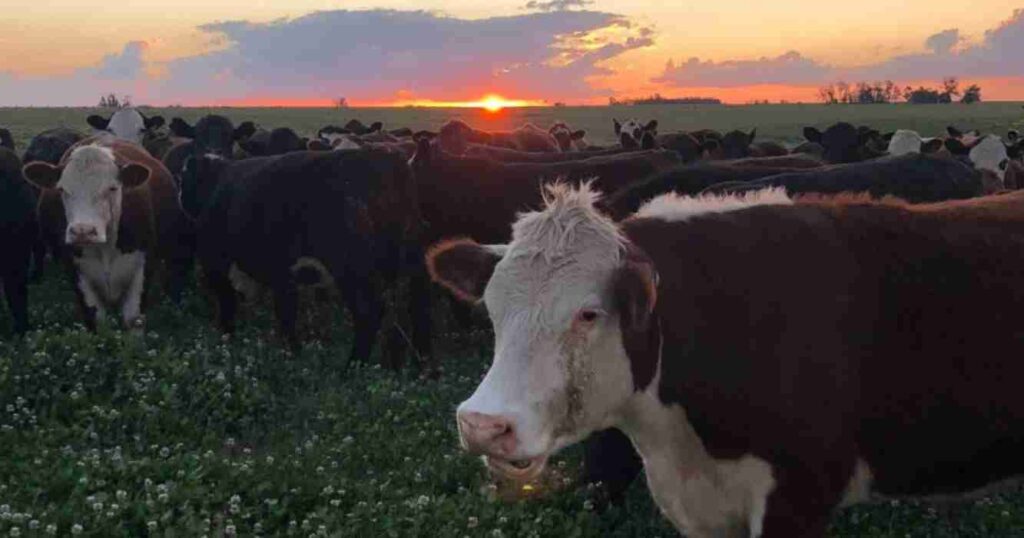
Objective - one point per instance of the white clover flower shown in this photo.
(230, 530)
(588, 505)
(51, 529)
(15, 531)
(473, 522)
(163, 497)
(121, 495)
(98, 507)
(77, 529)
(34, 524)
(151, 525)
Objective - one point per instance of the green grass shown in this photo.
(774, 122)
(180, 432)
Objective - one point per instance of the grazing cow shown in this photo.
(19, 234)
(851, 365)
(988, 154)
(109, 211)
(127, 124)
(916, 178)
(568, 139)
(904, 141)
(456, 136)
(515, 156)
(844, 143)
(50, 146)
(344, 218)
(630, 133)
(479, 197)
(6, 140)
(691, 179)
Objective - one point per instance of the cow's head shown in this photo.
(631, 132)
(988, 154)
(843, 143)
(212, 134)
(6, 140)
(455, 137)
(736, 144)
(561, 296)
(127, 124)
(92, 186)
(904, 141)
(568, 140)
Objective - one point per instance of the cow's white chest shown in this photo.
(702, 496)
(110, 278)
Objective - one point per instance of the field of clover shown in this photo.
(181, 432)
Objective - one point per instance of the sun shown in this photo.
(493, 103)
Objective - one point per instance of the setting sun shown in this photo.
(490, 103)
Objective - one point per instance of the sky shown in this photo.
(380, 52)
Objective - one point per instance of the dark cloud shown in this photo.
(997, 55)
(557, 5)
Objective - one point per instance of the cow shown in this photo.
(630, 133)
(690, 179)
(844, 143)
(472, 196)
(916, 178)
(515, 156)
(851, 365)
(568, 139)
(455, 136)
(212, 134)
(127, 124)
(340, 218)
(6, 140)
(50, 146)
(684, 144)
(740, 145)
(987, 154)
(276, 142)
(109, 213)
(905, 141)
(19, 233)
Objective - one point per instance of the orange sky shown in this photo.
(55, 37)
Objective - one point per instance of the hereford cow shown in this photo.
(127, 124)
(631, 133)
(344, 218)
(18, 236)
(568, 139)
(987, 154)
(851, 365)
(479, 197)
(844, 143)
(455, 137)
(109, 212)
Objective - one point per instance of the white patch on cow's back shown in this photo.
(109, 278)
(989, 154)
(702, 496)
(673, 207)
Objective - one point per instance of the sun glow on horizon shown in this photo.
(491, 103)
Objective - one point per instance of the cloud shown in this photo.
(128, 64)
(998, 54)
(557, 5)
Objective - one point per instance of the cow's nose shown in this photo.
(84, 233)
(486, 434)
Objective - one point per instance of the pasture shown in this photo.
(180, 432)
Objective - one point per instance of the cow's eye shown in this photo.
(113, 188)
(587, 316)
(1003, 164)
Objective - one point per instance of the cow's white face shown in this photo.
(559, 370)
(128, 124)
(990, 154)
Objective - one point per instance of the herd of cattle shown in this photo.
(822, 349)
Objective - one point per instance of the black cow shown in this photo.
(6, 140)
(19, 234)
(276, 142)
(349, 218)
(50, 146)
(844, 143)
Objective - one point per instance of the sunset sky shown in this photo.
(308, 52)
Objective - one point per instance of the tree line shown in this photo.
(868, 93)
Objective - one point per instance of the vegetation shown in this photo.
(657, 99)
(865, 93)
(111, 100)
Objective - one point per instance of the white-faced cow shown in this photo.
(631, 133)
(851, 363)
(109, 211)
(568, 139)
(988, 154)
(127, 124)
(905, 141)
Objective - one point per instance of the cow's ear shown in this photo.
(42, 174)
(181, 128)
(635, 290)
(618, 126)
(752, 135)
(954, 132)
(932, 145)
(651, 126)
(578, 135)
(812, 134)
(245, 130)
(376, 126)
(464, 266)
(956, 147)
(627, 141)
(1012, 135)
(97, 122)
(133, 175)
(154, 122)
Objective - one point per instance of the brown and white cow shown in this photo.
(109, 210)
(568, 139)
(456, 135)
(852, 362)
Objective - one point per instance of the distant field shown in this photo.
(777, 122)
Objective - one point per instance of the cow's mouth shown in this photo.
(518, 470)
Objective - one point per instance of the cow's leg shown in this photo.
(286, 306)
(93, 310)
(802, 502)
(364, 302)
(16, 291)
(219, 284)
(610, 460)
(131, 307)
(422, 322)
(179, 271)
(38, 259)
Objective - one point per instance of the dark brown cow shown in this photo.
(772, 361)
(844, 143)
(19, 232)
(455, 136)
(515, 156)
(689, 148)
(109, 211)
